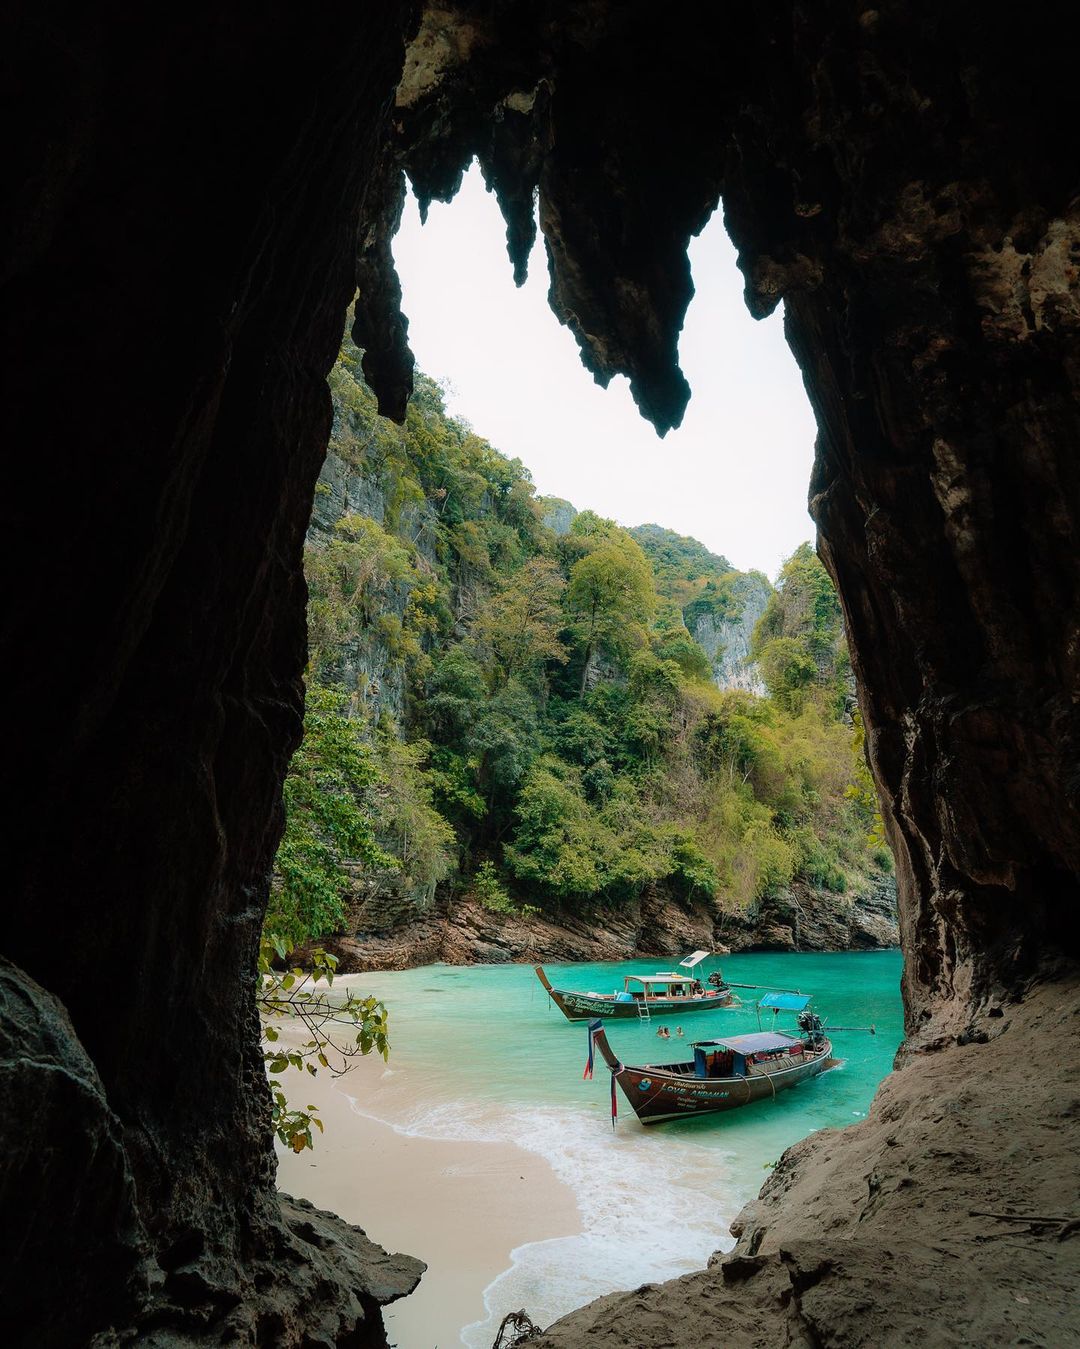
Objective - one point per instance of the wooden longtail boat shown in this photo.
(646, 995)
(725, 1073)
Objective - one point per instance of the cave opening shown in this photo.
(743, 451)
(889, 173)
(445, 632)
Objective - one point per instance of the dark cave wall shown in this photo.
(929, 257)
(177, 273)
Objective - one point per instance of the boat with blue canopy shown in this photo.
(724, 1073)
(666, 993)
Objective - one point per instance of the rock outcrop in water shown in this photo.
(186, 200)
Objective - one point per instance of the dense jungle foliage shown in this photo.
(524, 714)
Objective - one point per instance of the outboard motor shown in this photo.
(717, 980)
(810, 1025)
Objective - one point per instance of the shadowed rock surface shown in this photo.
(65, 1174)
(179, 243)
(191, 201)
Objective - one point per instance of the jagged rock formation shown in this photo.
(726, 640)
(893, 174)
(460, 931)
(53, 1104)
(558, 514)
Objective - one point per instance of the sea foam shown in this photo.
(650, 1207)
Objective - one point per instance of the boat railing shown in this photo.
(774, 1063)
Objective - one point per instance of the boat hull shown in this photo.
(656, 1094)
(583, 1007)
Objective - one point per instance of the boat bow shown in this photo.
(598, 1040)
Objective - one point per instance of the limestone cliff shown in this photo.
(558, 514)
(725, 635)
(461, 931)
(416, 537)
(364, 661)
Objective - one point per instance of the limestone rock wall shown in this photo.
(365, 664)
(460, 931)
(726, 641)
(178, 233)
(558, 514)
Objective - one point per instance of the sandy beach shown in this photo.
(461, 1206)
(482, 1150)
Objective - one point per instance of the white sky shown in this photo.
(734, 475)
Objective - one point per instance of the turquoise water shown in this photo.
(497, 1061)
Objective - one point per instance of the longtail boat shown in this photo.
(646, 995)
(724, 1073)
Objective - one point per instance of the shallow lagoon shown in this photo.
(478, 1053)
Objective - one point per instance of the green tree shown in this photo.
(349, 581)
(455, 695)
(520, 623)
(788, 669)
(611, 598)
(330, 820)
(798, 641)
(410, 828)
(558, 846)
(503, 742)
(676, 644)
(295, 996)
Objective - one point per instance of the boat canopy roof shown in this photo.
(785, 1002)
(691, 961)
(757, 1043)
(660, 978)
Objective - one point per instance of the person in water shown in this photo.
(664, 1033)
(678, 1030)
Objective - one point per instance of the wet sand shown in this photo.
(462, 1207)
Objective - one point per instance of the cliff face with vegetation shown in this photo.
(516, 747)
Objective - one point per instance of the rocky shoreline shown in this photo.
(461, 931)
(944, 1218)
